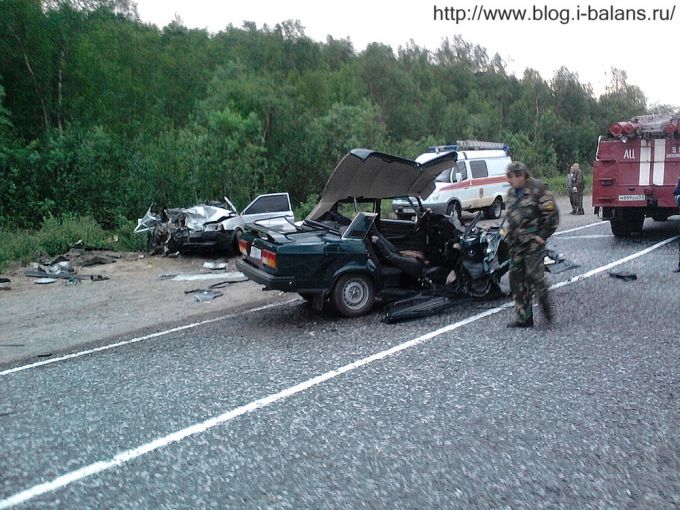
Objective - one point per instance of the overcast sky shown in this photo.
(645, 49)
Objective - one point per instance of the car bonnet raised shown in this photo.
(368, 174)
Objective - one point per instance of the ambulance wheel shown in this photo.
(454, 208)
(493, 212)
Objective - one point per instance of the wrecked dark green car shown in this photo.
(349, 253)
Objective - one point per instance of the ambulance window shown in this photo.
(462, 170)
(478, 169)
(445, 176)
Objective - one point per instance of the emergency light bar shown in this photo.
(476, 145)
(442, 148)
(470, 145)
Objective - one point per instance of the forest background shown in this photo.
(102, 114)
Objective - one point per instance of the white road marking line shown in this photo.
(128, 455)
(589, 236)
(139, 339)
(562, 232)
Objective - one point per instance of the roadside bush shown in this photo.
(16, 246)
(303, 209)
(126, 238)
(57, 234)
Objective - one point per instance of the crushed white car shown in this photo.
(212, 226)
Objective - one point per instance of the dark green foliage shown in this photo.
(101, 115)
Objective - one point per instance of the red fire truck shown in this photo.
(636, 168)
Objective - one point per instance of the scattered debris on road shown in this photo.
(626, 277)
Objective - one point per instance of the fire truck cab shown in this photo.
(636, 168)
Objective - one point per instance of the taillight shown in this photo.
(244, 246)
(268, 258)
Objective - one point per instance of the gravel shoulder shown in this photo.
(42, 321)
(139, 297)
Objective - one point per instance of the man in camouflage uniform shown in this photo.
(578, 185)
(532, 217)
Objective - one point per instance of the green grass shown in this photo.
(57, 234)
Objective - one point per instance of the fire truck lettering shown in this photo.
(629, 154)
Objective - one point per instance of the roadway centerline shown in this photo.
(128, 455)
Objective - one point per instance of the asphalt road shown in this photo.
(285, 407)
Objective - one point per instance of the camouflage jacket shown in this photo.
(532, 213)
(577, 181)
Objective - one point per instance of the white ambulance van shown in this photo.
(478, 182)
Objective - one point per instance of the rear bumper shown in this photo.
(271, 282)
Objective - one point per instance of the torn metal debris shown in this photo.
(626, 277)
(59, 268)
(234, 276)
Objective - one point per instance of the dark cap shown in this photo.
(518, 168)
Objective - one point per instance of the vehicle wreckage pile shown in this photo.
(346, 253)
(212, 226)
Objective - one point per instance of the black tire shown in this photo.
(494, 211)
(237, 237)
(454, 207)
(353, 294)
(638, 223)
(625, 222)
(620, 228)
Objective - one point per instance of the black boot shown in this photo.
(546, 308)
(529, 323)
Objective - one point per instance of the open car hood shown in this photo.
(368, 174)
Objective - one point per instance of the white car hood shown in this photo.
(364, 173)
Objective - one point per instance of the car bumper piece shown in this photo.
(271, 282)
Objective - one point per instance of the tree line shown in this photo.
(102, 114)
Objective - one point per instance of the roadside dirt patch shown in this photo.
(42, 320)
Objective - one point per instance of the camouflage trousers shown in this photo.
(576, 200)
(527, 275)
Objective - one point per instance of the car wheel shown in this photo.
(237, 238)
(353, 294)
(493, 212)
(454, 208)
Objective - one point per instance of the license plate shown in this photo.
(256, 253)
(631, 198)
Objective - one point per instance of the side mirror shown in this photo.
(458, 177)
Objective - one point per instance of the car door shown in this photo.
(479, 172)
(269, 211)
